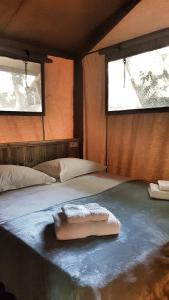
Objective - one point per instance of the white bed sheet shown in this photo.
(16, 203)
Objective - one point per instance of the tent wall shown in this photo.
(58, 119)
(134, 145)
(94, 112)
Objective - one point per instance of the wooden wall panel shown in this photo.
(32, 153)
(138, 145)
(59, 109)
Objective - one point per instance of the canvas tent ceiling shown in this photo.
(64, 25)
(143, 19)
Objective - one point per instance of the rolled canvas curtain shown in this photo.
(58, 120)
(94, 108)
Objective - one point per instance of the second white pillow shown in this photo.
(69, 167)
(74, 167)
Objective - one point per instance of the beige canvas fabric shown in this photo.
(94, 126)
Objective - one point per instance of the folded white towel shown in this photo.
(67, 231)
(84, 213)
(163, 185)
(155, 192)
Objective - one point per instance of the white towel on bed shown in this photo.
(156, 193)
(84, 213)
(163, 185)
(67, 231)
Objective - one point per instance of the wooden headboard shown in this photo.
(31, 153)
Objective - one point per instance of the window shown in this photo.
(20, 87)
(139, 82)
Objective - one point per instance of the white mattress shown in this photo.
(20, 202)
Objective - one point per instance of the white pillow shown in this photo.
(15, 177)
(68, 168)
(51, 168)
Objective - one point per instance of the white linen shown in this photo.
(163, 185)
(17, 203)
(51, 168)
(13, 177)
(72, 167)
(75, 213)
(156, 193)
(67, 231)
(69, 167)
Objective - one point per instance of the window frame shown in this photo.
(142, 44)
(29, 113)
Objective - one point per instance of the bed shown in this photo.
(133, 265)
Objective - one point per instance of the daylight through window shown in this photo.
(20, 91)
(139, 82)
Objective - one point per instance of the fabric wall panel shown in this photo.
(94, 108)
(20, 128)
(137, 144)
(58, 119)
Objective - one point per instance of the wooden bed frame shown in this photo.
(31, 153)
